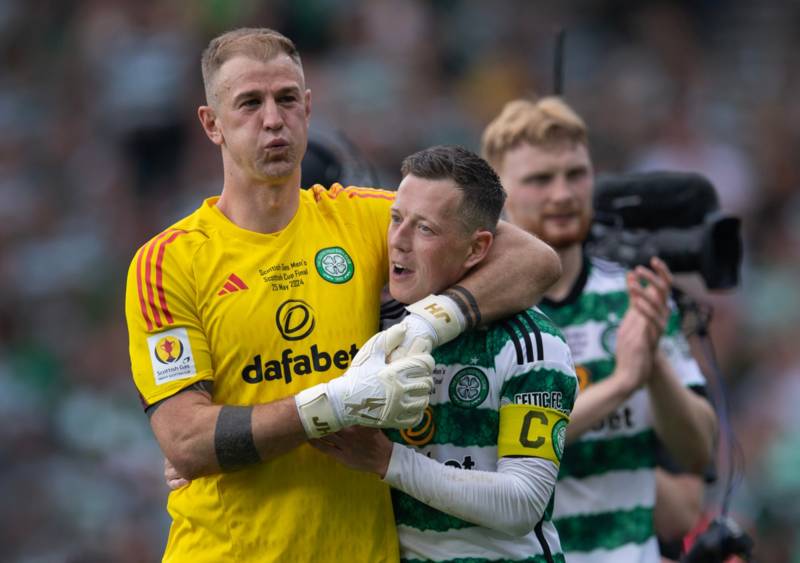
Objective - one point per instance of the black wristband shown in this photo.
(469, 308)
(233, 438)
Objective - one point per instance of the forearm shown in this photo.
(201, 438)
(514, 275)
(595, 403)
(511, 500)
(679, 502)
(277, 428)
(684, 421)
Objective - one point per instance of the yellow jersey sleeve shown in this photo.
(168, 348)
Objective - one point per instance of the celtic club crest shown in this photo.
(559, 437)
(334, 265)
(469, 387)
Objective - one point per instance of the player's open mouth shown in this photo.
(400, 270)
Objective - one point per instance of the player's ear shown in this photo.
(308, 105)
(208, 119)
(481, 243)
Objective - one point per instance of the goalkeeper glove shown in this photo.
(371, 392)
(432, 321)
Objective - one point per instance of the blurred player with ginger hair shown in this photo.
(635, 369)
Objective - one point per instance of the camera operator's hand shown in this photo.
(649, 290)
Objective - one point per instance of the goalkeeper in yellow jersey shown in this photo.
(245, 321)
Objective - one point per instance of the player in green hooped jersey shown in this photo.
(634, 367)
(474, 479)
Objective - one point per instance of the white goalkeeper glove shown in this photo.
(371, 392)
(432, 321)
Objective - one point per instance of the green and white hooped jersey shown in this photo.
(606, 487)
(506, 390)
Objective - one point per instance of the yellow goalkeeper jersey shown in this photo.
(263, 316)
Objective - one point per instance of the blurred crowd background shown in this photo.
(100, 149)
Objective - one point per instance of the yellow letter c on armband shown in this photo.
(527, 430)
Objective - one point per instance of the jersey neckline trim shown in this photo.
(219, 220)
(576, 290)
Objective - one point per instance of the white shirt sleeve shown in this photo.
(511, 500)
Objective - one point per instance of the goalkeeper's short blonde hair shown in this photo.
(543, 122)
(261, 44)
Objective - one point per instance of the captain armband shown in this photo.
(532, 431)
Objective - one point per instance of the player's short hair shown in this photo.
(260, 43)
(541, 123)
(482, 194)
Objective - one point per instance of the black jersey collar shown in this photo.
(577, 287)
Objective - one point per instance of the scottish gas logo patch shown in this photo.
(469, 387)
(334, 265)
(171, 355)
(168, 350)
